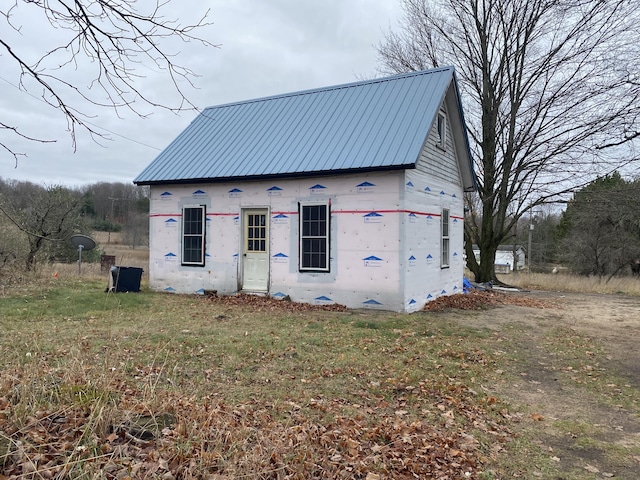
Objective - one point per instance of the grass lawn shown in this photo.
(152, 385)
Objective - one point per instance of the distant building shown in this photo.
(504, 258)
(351, 194)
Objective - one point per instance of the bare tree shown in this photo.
(549, 87)
(111, 39)
(45, 223)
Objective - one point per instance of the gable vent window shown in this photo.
(314, 237)
(444, 262)
(441, 140)
(193, 233)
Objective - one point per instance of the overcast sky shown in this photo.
(267, 47)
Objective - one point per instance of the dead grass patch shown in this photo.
(562, 282)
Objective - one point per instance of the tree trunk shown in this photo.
(486, 272)
(34, 248)
(488, 244)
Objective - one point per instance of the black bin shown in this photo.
(125, 279)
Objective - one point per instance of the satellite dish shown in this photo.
(82, 242)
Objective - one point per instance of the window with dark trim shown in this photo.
(314, 237)
(444, 262)
(442, 130)
(193, 233)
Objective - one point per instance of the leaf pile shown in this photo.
(474, 300)
(481, 300)
(264, 303)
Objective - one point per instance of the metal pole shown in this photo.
(79, 259)
(514, 266)
(529, 246)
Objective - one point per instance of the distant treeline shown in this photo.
(37, 222)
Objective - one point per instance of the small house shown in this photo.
(508, 257)
(349, 194)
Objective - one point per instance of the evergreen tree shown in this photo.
(599, 233)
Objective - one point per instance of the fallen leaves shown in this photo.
(137, 419)
(264, 303)
(474, 300)
(480, 300)
(591, 468)
(210, 439)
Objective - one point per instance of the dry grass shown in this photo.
(235, 391)
(149, 385)
(573, 283)
(112, 244)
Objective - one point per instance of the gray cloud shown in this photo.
(267, 47)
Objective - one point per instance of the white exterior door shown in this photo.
(255, 254)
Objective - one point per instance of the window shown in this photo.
(193, 229)
(442, 130)
(314, 237)
(444, 262)
(256, 232)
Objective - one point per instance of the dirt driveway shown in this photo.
(573, 377)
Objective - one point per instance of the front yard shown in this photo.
(96, 385)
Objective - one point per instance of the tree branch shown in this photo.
(114, 38)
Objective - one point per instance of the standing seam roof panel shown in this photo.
(383, 132)
(342, 130)
(408, 138)
(372, 124)
(307, 135)
(291, 140)
(195, 146)
(398, 129)
(283, 128)
(261, 122)
(194, 149)
(384, 98)
(316, 153)
(272, 144)
(238, 135)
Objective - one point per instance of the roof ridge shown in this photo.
(371, 81)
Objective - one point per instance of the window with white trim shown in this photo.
(314, 237)
(193, 235)
(441, 125)
(444, 223)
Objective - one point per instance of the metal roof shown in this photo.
(368, 125)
